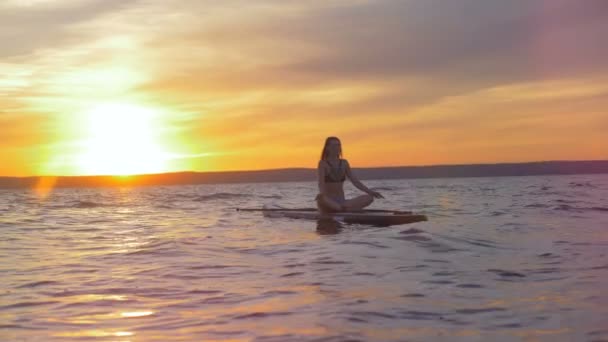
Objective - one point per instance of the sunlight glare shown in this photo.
(136, 314)
(122, 139)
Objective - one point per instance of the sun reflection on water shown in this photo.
(137, 314)
(95, 333)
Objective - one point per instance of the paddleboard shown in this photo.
(368, 217)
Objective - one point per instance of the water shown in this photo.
(501, 259)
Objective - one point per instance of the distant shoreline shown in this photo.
(308, 174)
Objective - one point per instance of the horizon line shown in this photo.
(301, 168)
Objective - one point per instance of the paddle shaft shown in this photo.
(312, 209)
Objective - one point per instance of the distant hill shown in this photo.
(303, 174)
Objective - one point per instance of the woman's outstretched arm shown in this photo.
(357, 183)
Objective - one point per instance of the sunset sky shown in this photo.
(126, 86)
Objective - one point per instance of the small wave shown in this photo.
(505, 273)
(156, 247)
(261, 315)
(81, 271)
(20, 327)
(546, 270)
(436, 261)
(479, 242)
(565, 207)
(115, 294)
(413, 295)
(536, 205)
(598, 333)
(11, 326)
(86, 230)
(411, 268)
(211, 267)
(420, 315)
(603, 267)
(565, 201)
(80, 205)
(470, 286)
(165, 206)
(383, 188)
(271, 196)
(326, 261)
(412, 238)
(363, 243)
(220, 196)
(548, 255)
(26, 305)
(480, 310)
(438, 282)
(411, 231)
(96, 221)
(373, 314)
(98, 303)
(204, 292)
(581, 185)
(37, 284)
(293, 274)
(278, 293)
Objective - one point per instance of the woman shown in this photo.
(332, 172)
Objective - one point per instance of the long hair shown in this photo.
(327, 141)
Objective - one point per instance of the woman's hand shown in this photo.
(375, 194)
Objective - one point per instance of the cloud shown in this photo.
(268, 58)
(461, 40)
(25, 30)
(427, 75)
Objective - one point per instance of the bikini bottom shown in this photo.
(324, 207)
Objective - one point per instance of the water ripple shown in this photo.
(499, 258)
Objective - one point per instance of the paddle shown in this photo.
(313, 209)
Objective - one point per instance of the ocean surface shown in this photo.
(500, 259)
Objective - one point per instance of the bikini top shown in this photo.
(335, 174)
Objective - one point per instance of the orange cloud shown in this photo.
(412, 83)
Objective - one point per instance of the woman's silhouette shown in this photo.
(332, 172)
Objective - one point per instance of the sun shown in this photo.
(121, 139)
